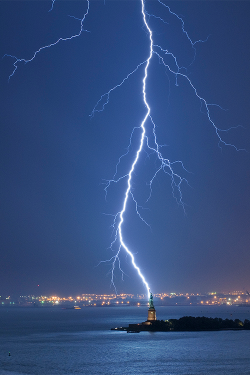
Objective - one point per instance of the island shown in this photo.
(186, 323)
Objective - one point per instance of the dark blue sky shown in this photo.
(55, 158)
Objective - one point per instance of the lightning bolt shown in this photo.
(165, 164)
(147, 140)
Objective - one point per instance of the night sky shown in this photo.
(55, 220)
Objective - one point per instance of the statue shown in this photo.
(151, 303)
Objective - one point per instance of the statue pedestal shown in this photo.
(151, 314)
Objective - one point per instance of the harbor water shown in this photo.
(49, 341)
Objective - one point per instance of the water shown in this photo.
(50, 341)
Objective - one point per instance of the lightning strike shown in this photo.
(165, 165)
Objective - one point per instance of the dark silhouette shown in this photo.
(189, 323)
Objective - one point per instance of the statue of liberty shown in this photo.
(151, 303)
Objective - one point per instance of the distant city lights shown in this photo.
(160, 299)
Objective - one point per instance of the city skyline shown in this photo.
(237, 298)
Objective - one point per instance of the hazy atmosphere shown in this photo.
(56, 222)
